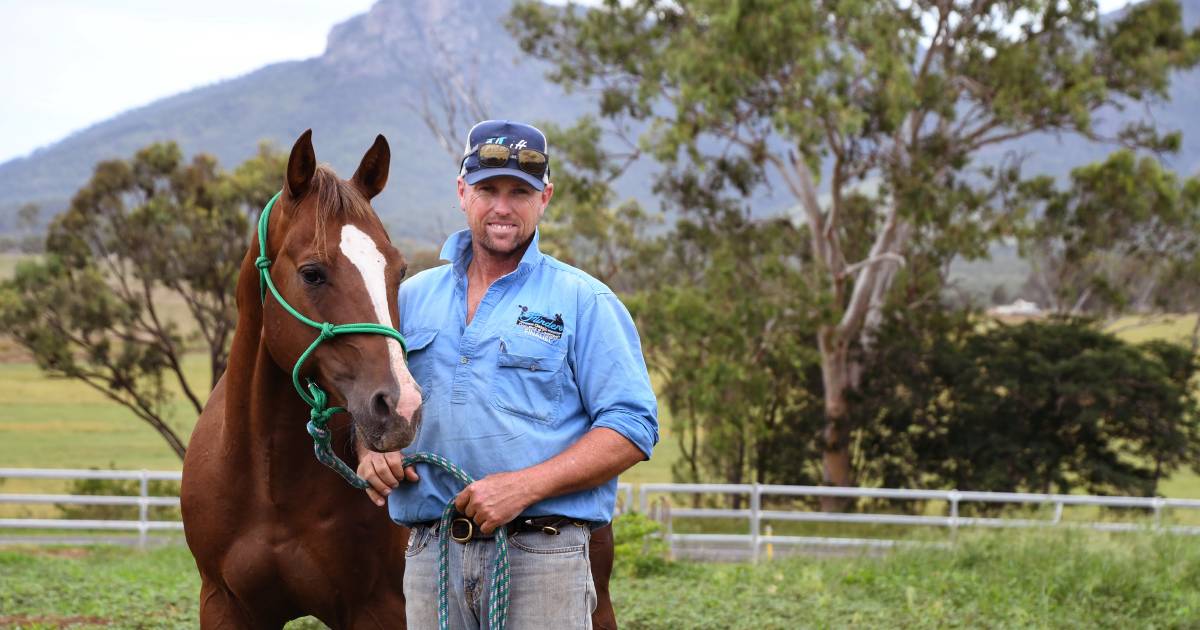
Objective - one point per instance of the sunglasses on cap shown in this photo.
(531, 161)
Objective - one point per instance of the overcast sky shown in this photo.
(70, 63)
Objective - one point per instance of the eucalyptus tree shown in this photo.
(139, 270)
(1122, 235)
(827, 96)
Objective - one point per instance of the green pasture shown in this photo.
(990, 580)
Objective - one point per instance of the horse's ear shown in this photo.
(372, 172)
(301, 165)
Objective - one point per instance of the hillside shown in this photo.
(371, 79)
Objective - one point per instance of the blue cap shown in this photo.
(516, 136)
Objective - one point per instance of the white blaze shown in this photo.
(361, 250)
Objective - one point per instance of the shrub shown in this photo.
(121, 488)
(639, 549)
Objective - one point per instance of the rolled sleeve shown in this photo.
(611, 373)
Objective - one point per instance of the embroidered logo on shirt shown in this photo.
(541, 326)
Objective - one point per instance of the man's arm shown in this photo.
(382, 472)
(598, 456)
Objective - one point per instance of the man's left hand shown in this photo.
(496, 499)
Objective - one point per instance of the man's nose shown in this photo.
(503, 205)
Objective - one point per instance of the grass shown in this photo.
(990, 580)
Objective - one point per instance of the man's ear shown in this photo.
(302, 164)
(547, 194)
(372, 173)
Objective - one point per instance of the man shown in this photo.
(534, 383)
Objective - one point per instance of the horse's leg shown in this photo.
(219, 609)
(601, 552)
(384, 611)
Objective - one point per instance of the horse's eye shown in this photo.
(312, 275)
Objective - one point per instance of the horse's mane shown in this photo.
(335, 198)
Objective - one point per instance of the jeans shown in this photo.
(550, 580)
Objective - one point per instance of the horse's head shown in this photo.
(332, 260)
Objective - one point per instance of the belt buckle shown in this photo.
(466, 537)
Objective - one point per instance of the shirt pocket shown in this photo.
(420, 359)
(528, 380)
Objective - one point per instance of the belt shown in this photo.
(463, 529)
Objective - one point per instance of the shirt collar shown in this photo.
(457, 250)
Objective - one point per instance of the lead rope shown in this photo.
(498, 593)
(319, 416)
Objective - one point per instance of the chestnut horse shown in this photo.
(276, 535)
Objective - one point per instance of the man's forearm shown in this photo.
(598, 456)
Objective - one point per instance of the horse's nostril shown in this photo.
(382, 404)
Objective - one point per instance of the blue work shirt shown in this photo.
(550, 354)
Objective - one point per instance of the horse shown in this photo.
(275, 534)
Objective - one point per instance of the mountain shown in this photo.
(372, 77)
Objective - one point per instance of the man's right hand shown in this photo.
(382, 472)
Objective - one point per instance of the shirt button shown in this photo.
(464, 360)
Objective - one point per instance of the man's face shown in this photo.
(502, 212)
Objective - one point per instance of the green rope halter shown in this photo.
(310, 391)
(316, 398)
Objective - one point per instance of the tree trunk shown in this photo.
(835, 373)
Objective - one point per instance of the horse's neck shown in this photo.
(264, 425)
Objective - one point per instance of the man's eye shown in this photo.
(312, 276)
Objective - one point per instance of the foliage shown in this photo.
(639, 549)
(119, 488)
(1038, 407)
(582, 226)
(26, 239)
(723, 327)
(900, 95)
(1118, 237)
(140, 227)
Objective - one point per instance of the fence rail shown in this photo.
(656, 499)
(760, 536)
(143, 501)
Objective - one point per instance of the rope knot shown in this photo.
(262, 262)
(327, 331)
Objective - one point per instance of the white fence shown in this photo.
(142, 526)
(656, 499)
(760, 534)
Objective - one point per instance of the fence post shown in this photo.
(644, 500)
(755, 504)
(1158, 510)
(953, 496)
(143, 508)
(665, 511)
(1058, 510)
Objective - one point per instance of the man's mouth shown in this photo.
(503, 228)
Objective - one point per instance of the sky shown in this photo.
(70, 63)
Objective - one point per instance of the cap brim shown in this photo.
(475, 177)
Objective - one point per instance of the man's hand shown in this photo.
(382, 472)
(496, 499)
